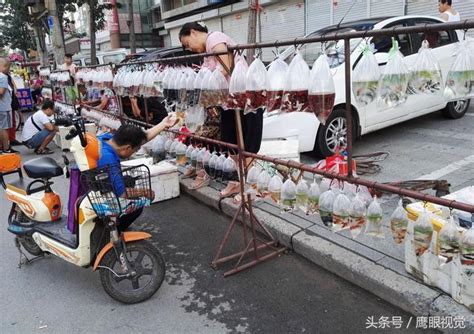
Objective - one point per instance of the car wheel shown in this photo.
(456, 109)
(333, 134)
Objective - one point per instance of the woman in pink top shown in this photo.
(195, 36)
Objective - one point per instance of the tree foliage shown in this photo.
(14, 31)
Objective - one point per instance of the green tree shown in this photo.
(14, 30)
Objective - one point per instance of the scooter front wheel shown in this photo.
(30, 245)
(148, 264)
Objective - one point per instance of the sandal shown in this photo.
(189, 172)
(232, 188)
(202, 180)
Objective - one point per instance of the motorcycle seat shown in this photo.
(42, 168)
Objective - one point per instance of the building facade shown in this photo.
(286, 19)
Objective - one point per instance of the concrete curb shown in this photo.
(372, 272)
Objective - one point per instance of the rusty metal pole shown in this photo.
(349, 120)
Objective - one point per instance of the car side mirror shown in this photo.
(382, 58)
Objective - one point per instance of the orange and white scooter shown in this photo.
(131, 268)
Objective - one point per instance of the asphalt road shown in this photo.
(284, 295)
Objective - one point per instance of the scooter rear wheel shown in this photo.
(30, 245)
(146, 260)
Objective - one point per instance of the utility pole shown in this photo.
(92, 31)
(56, 35)
(37, 12)
(131, 27)
(252, 32)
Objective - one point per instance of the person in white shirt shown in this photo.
(447, 11)
(69, 65)
(38, 130)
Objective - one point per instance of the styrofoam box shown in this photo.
(164, 177)
(281, 149)
(60, 138)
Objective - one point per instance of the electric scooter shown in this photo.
(131, 268)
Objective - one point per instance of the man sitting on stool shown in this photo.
(38, 130)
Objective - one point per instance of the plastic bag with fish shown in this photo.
(255, 86)
(302, 193)
(321, 91)
(276, 84)
(262, 183)
(314, 194)
(393, 84)
(237, 86)
(425, 77)
(288, 195)
(357, 212)
(326, 204)
(274, 188)
(365, 79)
(340, 213)
(374, 225)
(399, 223)
(449, 240)
(205, 96)
(460, 79)
(467, 247)
(422, 233)
(295, 97)
(252, 177)
(218, 89)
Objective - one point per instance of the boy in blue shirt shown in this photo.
(122, 145)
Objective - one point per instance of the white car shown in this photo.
(313, 136)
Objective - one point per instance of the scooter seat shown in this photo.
(42, 168)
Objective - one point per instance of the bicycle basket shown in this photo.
(114, 191)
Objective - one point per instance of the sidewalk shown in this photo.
(359, 261)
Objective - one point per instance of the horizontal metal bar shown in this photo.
(363, 182)
(59, 71)
(95, 66)
(172, 59)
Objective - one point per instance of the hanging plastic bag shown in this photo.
(212, 165)
(302, 193)
(321, 92)
(197, 84)
(229, 170)
(349, 189)
(449, 241)
(425, 77)
(220, 166)
(276, 84)
(189, 100)
(189, 152)
(392, 89)
(194, 156)
(422, 233)
(218, 89)
(205, 162)
(295, 97)
(399, 223)
(237, 86)
(252, 177)
(262, 183)
(181, 154)
(467, 247)
(205, 96)
(325, 185)
(313, 198)
(460, 79)
(326, 204)
(365, 79)
(255, 86)
(374, 226)
(288, 195)
(274, 188)
(357, 212)
(340, 213)
(158, 149)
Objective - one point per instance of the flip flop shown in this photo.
(189, 172)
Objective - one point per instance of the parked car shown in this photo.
(103, 57)
(323, 139)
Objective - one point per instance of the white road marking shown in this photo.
(435, 175)
(472, 115)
